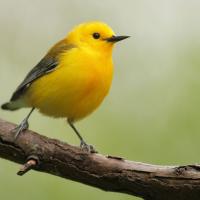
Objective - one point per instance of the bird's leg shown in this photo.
(83, 145)
(23, 125)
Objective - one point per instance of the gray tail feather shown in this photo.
(10, 106)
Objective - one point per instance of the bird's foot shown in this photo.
(20, 128)
(87, 147)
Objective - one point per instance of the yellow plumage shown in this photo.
(72, 79)
(75, 88)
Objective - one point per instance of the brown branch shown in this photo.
(151, 182)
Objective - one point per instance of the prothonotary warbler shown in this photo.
(72, 79)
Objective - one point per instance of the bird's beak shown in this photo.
(116, 38)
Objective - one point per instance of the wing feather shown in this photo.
(46, 65)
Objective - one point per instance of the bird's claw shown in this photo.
(87, 147)
(21, 127)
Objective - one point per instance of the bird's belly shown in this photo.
(69, 93)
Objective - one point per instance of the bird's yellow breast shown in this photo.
(75, 88)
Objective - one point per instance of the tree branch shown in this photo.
(151, 182)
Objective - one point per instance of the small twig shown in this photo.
(30, 164)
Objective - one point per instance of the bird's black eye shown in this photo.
(96, 35)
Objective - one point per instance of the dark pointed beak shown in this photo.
(116, 38)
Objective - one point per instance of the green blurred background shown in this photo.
(152, 113)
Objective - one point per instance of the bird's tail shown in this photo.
(12, 105)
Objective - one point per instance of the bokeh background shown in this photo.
(152, 113)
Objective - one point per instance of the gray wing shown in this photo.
(43, 67)
(46, 65)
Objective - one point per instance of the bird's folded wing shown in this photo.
(46, 65)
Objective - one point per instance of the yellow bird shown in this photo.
(72, 79)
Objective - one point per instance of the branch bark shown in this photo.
(151, 182)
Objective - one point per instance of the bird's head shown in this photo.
(96, 35)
